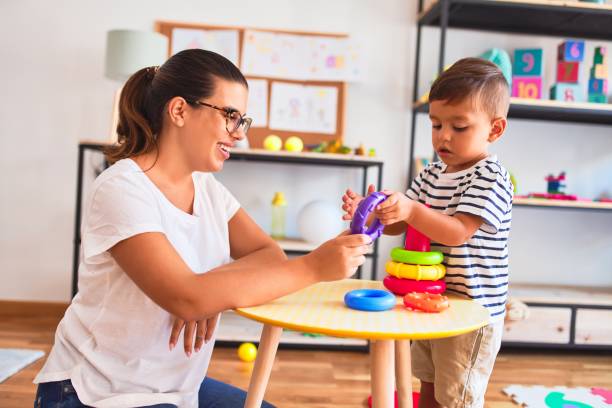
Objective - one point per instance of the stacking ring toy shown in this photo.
(399, 254)
(426, 302)
(366, 206)
(402, 286)
(416, 272)
(370, 300)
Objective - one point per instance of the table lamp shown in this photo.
(127, 51)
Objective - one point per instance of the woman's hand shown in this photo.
(351, 201)
(202, 329)
(339, 257)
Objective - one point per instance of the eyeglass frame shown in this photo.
(228, 111)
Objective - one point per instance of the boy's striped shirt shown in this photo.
(477, 269)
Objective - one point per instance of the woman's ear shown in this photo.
(176, 110)
(498, 126)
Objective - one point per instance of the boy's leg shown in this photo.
(423, 369)
(215, 394)
(463, 365)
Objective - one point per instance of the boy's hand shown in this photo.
(351, 201)
(396, 208)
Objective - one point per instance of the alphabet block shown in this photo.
(598, 86)
(571, 51)
(527, 62)
(567, 71)
(527, 87)
(567, 93)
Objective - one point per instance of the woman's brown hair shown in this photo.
(190, 74)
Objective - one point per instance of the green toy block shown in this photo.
(598, 98)
(600, 56)
(527, 62)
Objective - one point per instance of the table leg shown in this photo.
(381, 352)
(403, 373)
(268, 344)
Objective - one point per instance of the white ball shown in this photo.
(319, 221)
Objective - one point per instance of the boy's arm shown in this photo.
(446, 229)
(399, 210)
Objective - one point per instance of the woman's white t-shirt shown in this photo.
(113, 340)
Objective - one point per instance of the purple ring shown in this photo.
(366, 206)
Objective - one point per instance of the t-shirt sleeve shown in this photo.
(414, 190)
(119, 208)
(224, 198)
(489, 196)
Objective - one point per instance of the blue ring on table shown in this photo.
(370, 300)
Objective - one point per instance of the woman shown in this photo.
(159, 233)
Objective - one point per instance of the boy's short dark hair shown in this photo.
(474, 78)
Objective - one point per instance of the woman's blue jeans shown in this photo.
(213, 394)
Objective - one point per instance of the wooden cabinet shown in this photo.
(594, 327)
(544, 325)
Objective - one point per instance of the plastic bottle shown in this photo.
(279, 204)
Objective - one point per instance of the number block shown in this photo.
(571, 51)
(598, 86)
(527, 87)
(601, 56)
(599, 71)
(598, 98)
(567, 71)
(527, 62)
(567, 93)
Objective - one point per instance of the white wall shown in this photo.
(55, 94)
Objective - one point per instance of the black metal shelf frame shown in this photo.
(364, 165)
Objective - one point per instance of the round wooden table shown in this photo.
(320, 309)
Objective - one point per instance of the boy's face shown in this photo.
(461, 133)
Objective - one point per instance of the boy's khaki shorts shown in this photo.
(460, 366)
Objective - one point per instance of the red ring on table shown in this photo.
(402, 286)
(426, 302)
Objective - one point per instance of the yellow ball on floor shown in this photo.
(247, 352)
(273, 143)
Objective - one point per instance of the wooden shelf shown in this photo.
(304, 157)
(237, 329)
(562, 295)
(541, 109)
(567, 204)
(559, 18)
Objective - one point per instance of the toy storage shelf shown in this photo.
(543, 17)
(234, 328)
(562, 204)
(561, 317)
(538, 109)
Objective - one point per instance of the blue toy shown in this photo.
(370, 300)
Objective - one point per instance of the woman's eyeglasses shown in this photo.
(233, 119)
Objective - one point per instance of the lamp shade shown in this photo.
(127, 51)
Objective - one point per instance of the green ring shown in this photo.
(399, 254)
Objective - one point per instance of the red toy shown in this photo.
(416, 241)
(425, 302)
(403, 286)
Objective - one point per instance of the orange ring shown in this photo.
(426, 302)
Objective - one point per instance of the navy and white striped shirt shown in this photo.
(477, 269)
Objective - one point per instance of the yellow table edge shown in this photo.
(363, 335)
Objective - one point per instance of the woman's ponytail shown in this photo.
(135, 131)
(191, 74)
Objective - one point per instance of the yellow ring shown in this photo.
(416, 272)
